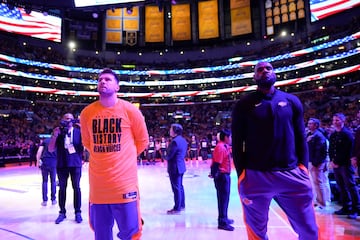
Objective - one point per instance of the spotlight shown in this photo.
(95, 15)
(129, 10)
(173, 2)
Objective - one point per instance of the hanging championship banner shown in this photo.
(113, 26)
(240, 17)
(208, 19)
(180, 22)
(154, 24)
(113, 37)
(241, 21)
(131, 19)
(239, 3)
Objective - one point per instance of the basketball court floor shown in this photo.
(23, 218)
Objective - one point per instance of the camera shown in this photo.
(64, 125)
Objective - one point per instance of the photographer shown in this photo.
(66, 141)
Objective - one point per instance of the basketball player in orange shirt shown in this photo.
(115, 133)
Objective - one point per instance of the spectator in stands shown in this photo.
(176, 167)
(271, 157)
(220, 171)
(318, 150)
(32, 152)
(163, 147)
(194, 148)
(150, 152)
(113, 178)
(340, 152)
(213, 143)
(204, 148)
(47, 163)
(66, 141)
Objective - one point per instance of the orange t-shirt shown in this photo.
(114, 137)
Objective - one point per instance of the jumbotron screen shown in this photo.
(320, 9)
(89, 3)
(33, 24)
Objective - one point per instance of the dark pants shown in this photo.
(31, 161)
(75, 175)
(126, 216)
(222, 185)
(345, 180)
(177, 187)
(163, 154)
(194, 154)
(151, 156)
(47, 171)
(204, 154)
(292, 191)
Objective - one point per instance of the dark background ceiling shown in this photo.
(67, 4)
(67, 9)
(59, 7)
(62, 4)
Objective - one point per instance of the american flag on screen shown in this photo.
(323, 8)
(34, 24)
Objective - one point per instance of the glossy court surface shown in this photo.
(23, 218)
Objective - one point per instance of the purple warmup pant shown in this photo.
(291, 189)
(102, 218)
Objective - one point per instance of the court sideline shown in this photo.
(23, 218)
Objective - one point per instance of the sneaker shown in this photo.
(226, 227)
(173, 212)
(53, 202)
(60, 218)
(230, 221)
(44, 203)
(78, 218)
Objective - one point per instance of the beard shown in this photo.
(105, 93)
(266, 81)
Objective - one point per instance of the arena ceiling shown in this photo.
(67, 9)
(69, 4)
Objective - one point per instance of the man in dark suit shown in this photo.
(176, 167)
(66, 140)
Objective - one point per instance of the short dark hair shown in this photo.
(110, 71)
(316, 121)
(224, 133)
(177, 128)
(341, 116)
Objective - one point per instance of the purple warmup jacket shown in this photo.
(268, 132)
